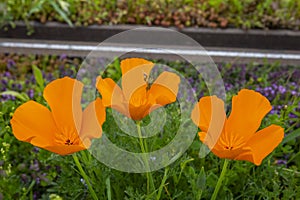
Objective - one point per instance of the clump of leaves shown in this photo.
(270, 14)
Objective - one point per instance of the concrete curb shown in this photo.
(225, 38)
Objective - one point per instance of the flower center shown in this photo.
(67, 137)
(231, 141)
(228, 148)
(68, 142)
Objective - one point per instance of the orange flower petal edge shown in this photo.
(248, 110)
(239, 138)
(138, 97)
(135, 74)
(164, 89)
(131, 63)
(112, 95)
(263, 143)
(65, 129)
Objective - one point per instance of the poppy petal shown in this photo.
(262, 143)
(64, 96)
(93, 117)
(33, 122)
(65, 149)
(139, 105)
(135, 74)
(202, 136)
(233, 154)
(209, 115)
(210, 141)
(203, 110)
(138, 113)
(112, 95)
(165, 88)
(130, 63)
(248, 110)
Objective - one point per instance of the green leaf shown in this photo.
(21, 96)
(201, 179)
(38, 76)
(36, 7)
(61, 12)
(184, 163)
(64, 5)
(291, 136)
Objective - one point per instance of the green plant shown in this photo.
(26, 9)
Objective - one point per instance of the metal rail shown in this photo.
(168, 53)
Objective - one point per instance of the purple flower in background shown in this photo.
(49, 77)
(3, 85)
(281, 162)
(62, 56)
(43, 177)
(272, 112)
(36, 149)
(24, 178)
(19, 87)
(7, 74)
(35, 195)
(27, 82)
(243, 73)
(32, 79)
(281, 89)
(48, 167)
(292, 115)
(228, 86)
(6, 97)
(38, 180)
(4, 82)
(191, 96)
(34, 166)
(82, 72)
(102, 63)
(274, 86)
(66, 72)
(10, 64)
(270, 91)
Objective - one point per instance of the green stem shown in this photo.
(28, 190)
(107, 182)
(217, 188)
(84, 176)
(162, 183)
(150, 183)
(138, 126)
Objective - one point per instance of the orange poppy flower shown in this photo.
(236, 137)
(66, 128)
(138, 97)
